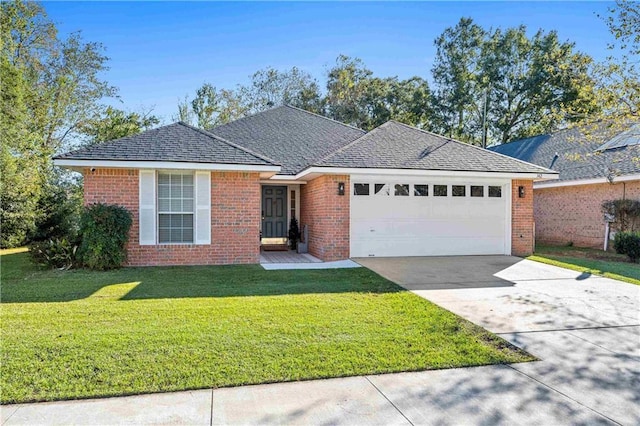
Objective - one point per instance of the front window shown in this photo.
(175, 207)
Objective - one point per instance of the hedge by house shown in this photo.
(105, 232)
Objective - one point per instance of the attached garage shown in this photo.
(414, 216)
(415, 193)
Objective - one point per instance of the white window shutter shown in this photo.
(203, 207)
(147, 211)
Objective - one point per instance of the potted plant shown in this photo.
(294, 233)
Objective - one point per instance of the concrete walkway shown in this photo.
(585, 330)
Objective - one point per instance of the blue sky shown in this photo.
(162, 51)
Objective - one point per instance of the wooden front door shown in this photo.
(274, 212)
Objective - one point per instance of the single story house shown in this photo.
(213, 197)
(604, 165)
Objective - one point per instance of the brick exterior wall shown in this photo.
(522, 218)
(326, 215)
(235, 218)
(572, 213)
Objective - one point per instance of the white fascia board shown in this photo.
(313, 171)
(164, 165)
(594, 181)
(284, 177)
(275, 181)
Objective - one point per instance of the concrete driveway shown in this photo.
(585, 329)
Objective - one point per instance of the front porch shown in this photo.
(277, 260)
(288, 256)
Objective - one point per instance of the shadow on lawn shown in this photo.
(252, 280)
(25, 283)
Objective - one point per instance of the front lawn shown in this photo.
(587, 260)
(79, 334)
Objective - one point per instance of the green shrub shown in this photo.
(58, 216)
(104, 230)
(628, 243)
(56, 253)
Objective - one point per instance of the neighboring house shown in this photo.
(213, 197)
(592, 169)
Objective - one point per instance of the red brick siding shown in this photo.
(572, 213)
(235, 218)
(326, 215)
(522, 218)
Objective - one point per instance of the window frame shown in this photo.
(172, 213)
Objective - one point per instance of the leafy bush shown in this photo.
(58, 216)
(104, 230)
(628, 243)
(625, 212)
(56, 252)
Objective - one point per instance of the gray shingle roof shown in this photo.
(294, 137)
(399, 146)
(577, 155)
(177, 142)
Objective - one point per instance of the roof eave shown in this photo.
(80, 164)
(588, 181)
(315, 171)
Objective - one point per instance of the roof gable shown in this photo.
(295, 137)
(176, 142)
(399, 146)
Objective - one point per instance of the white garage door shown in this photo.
(396, 216)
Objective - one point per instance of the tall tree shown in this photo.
(270, 87)
(212, 107)
(347, 85)
(355, 96)
(618, 77)
(529, 82)
(185, 113)
(21, 160)
(49, 87)
(115, 123)
(456, 74)
(506, 84)
(206, 106)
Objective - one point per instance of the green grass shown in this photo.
(80, 334)
(591, 261)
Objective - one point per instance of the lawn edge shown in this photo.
(550, 261)
(268, 382)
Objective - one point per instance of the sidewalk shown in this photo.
(482, 395)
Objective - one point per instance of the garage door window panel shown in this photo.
(420, 190)
(495, 191)
(401, 190)
(458, 191)
(439, 190)
(382, 189)
(477, 191)
(360, 189)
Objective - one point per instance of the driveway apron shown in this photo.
(584, 329)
